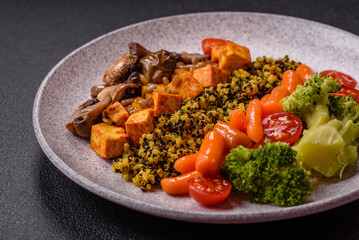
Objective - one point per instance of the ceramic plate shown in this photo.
(68, 85)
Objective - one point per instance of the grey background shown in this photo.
(37, 201)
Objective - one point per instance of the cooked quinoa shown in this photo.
(182, 133)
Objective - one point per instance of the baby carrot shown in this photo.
(232, 136)
(272, 103)
(304, 72)
(264, 98)
(186, 163)
(290, 80)
(277, 94)
(271, 107)
(254, 121)
(210, 155)
(178, 185)
(238, 120)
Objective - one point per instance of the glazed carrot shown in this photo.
(271, 107)
(254, 121)
(238, 120)
(186, 163)
(178, 185)
(304, 72)
(290, 80)
(277, 94)
(272, 103)
(264, 98)
(232, 137)
(210, 155)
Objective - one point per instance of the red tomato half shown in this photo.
(282, 126)
(209, 190)
(344, 79)
(209, 43)
(348, 91)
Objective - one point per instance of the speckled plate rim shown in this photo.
(210, 217)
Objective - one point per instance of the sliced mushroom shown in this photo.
(106, 91)
(158, 64)
(177, 56)
(89, 113)
(119, 71)
(117, 92)
(137, 49)
(83, 118)
(95, 90)
(89, 102)
(133, 78)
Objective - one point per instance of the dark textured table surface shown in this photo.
(37, 201)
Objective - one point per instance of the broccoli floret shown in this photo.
(344, 108)
(311, 100)
(329, 143)
(271, 174)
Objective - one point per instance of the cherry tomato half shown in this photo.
(348, 91)
(209, 190)
(209, 43)
(344, 79)
(282, 126)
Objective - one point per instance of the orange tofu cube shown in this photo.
(216, 52)
(210, 75)
(108, 141)
(165, 103)
(233, 57)
(117, 113)
(139, 123)
(186, 85)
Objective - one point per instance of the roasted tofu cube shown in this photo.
(139, 123)
(232, 56)
(165, 103)
(216, 52)
(108, 141)
(186, 85)
(210, 75)
(117, 113)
